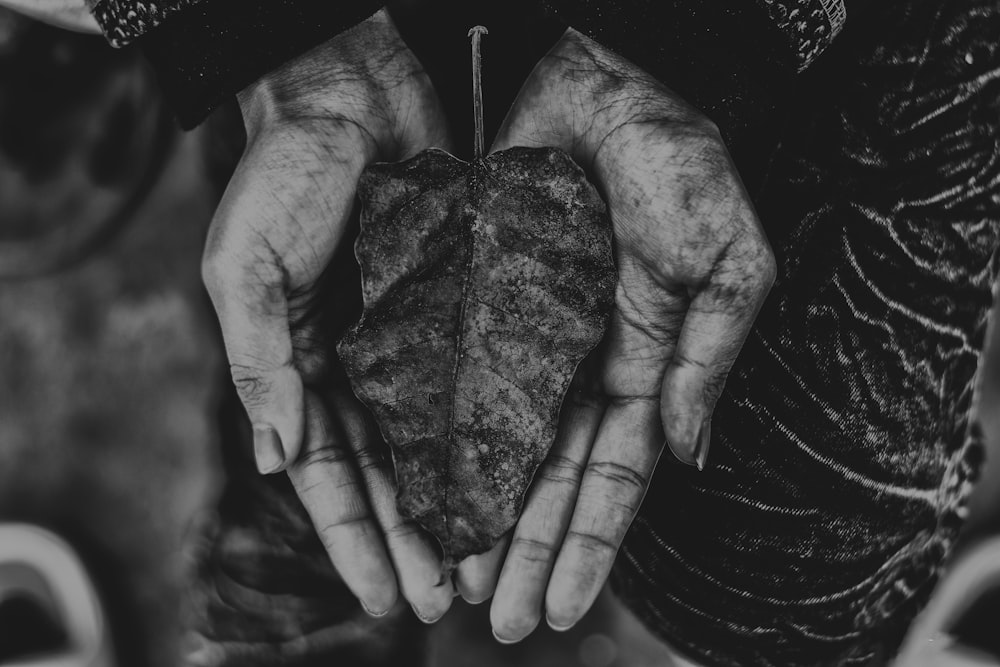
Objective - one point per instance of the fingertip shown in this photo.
(384, 597)
(680, 447)
(503, 640)
(267, 448)
(433, 614)
(689, 445)
(509, 628)
(378, 606)
(559, 626)
(473, 597)
(561, 615)
(574, 589)
(433, 602)
(704, 441)
(682, 425)
(476, 576)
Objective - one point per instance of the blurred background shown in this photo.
(111, 366)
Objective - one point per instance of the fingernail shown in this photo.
(556, 626)
(267, 449)
(677, 456)
(378, 614)
(704, 440)
(428, 621)
(502, 640)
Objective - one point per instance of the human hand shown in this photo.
(312, 127)
(694, 268)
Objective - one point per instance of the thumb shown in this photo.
(718, 320)
(247, 279)
(274, 232)
(252, 307)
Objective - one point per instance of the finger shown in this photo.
(520, 593)
(413, 551)
(717, 322)
(614, 482)
(330, 489)
(476, 576)
(278, 224)
(261, 362)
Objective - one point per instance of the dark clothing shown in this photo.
(842, 452)
(842, 455)
(206, 50)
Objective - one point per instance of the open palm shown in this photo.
(694, 268)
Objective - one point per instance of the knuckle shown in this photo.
(369, 457)
(404, 530)
(624, 479)
(560, 469)
(766, 266)
(597, 545)
(252, 275)
(532, 550)
(698, 147)
(212, 270)
(251, 386)
(330, 453)
(745, 272)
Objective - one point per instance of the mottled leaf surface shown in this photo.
(484, 284)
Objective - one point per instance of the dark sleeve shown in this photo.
(733, 59)
(204, 51)
(737, 61)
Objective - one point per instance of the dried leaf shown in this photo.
(485, 284)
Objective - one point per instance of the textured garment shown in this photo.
(204, 51)
(124, 20)
(809, 25)
(205, 54)
(842, 452)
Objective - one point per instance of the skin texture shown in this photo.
(312, 126)
(694, 268)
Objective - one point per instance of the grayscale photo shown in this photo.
(482, 333)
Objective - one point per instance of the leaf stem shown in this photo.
(476, 33)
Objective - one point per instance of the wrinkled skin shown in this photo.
(694, 267)
(312, 126)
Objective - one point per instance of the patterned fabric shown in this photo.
(843, 454)
(124, 20)
(809, 25)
